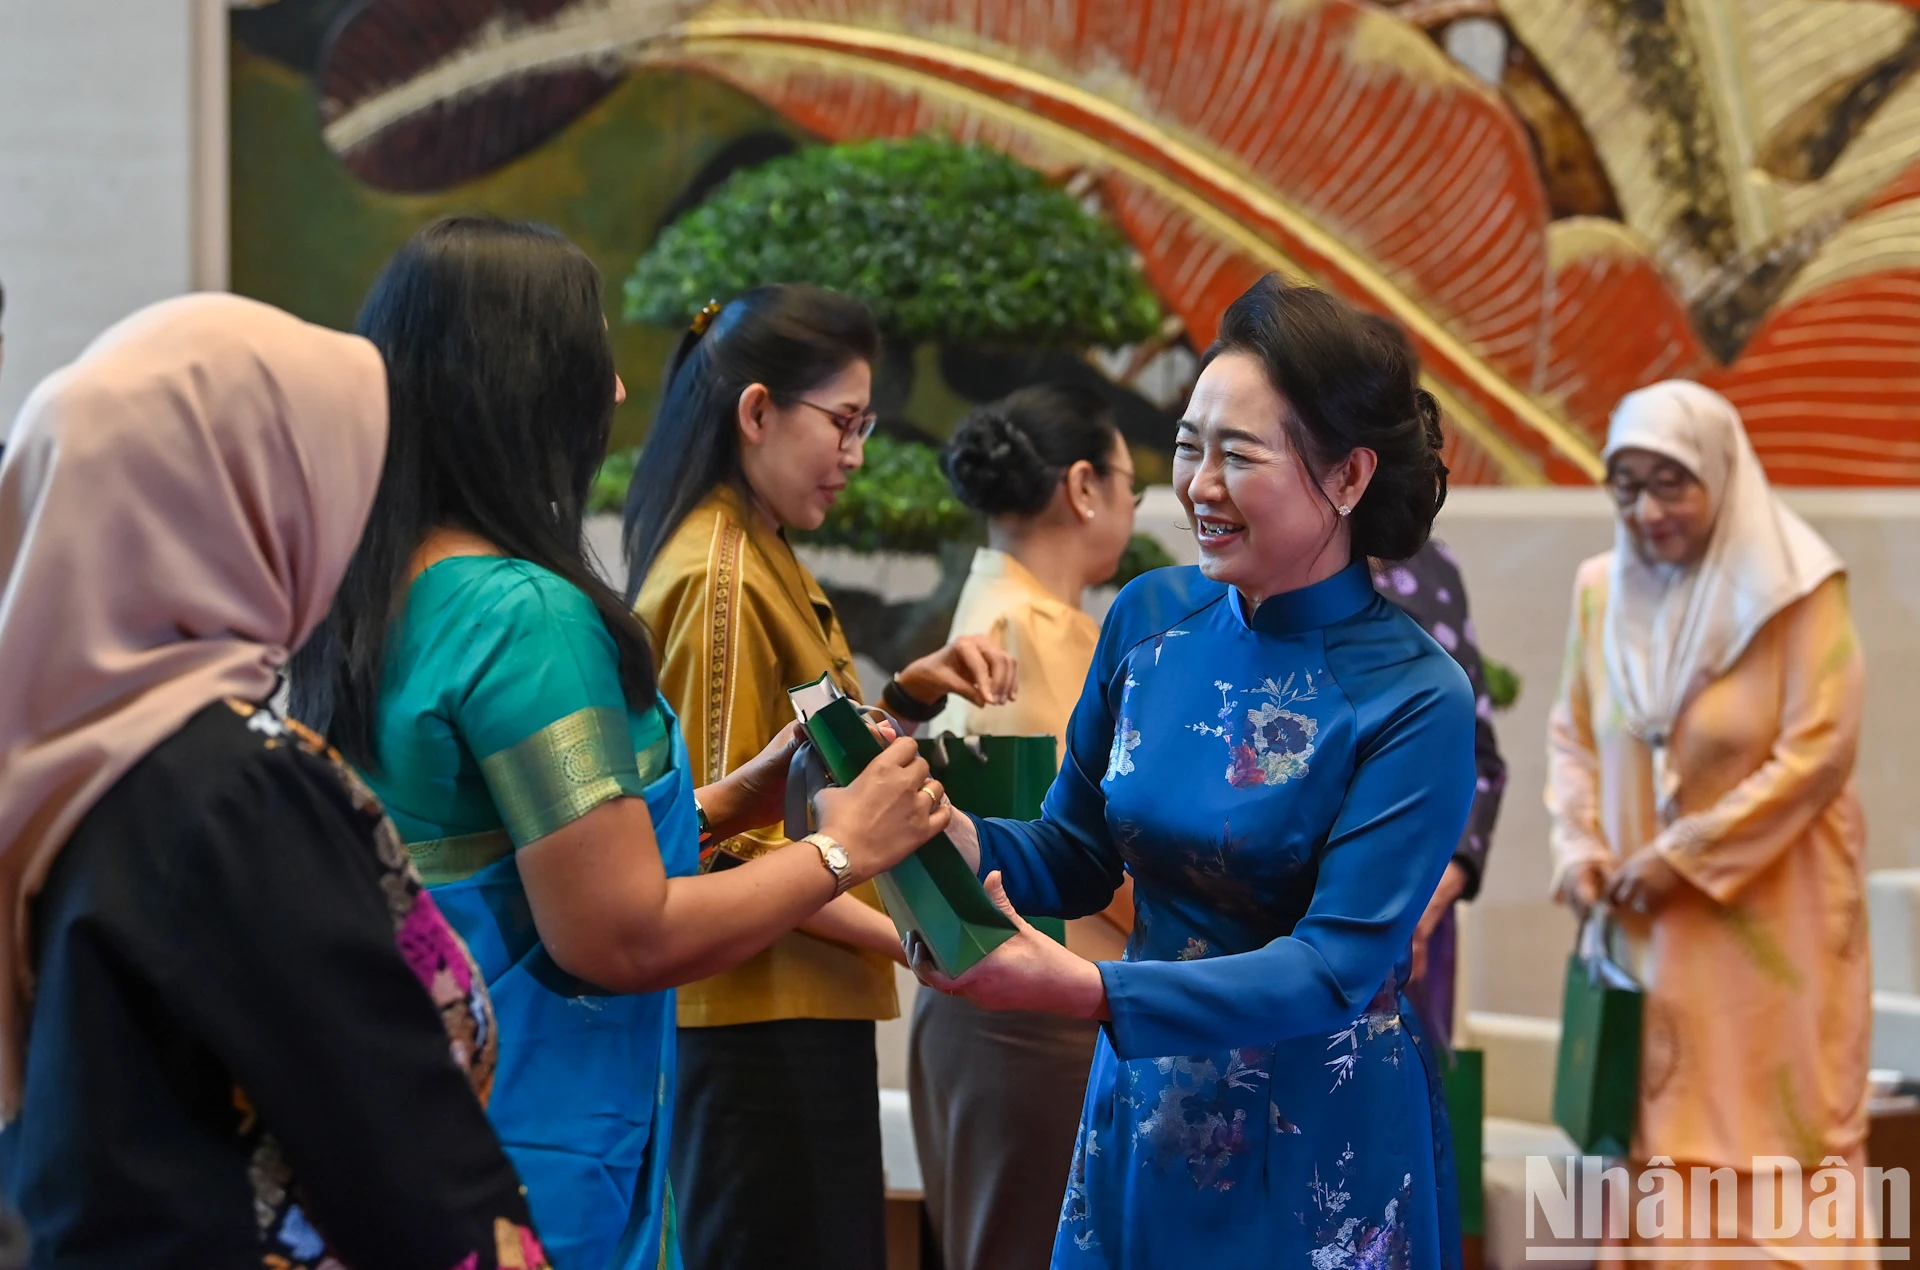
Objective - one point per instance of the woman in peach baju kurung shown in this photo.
(1700, 780)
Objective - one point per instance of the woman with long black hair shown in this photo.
(501, 699)
(766, 413)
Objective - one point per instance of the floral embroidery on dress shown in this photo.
(1074, 1209)
(1272, 744)
(1126, 737)
(1382, 1016)
(1349, 1242)
(1192, 1120)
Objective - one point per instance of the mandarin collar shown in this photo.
(1326, 602)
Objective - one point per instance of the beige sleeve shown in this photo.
(1724, 847)
(1573, 761)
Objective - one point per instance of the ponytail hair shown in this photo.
(789, 338)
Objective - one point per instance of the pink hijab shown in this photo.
(177, 508)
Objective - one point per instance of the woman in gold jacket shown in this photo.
(776, 1157)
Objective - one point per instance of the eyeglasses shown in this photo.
(1667, 485)
(855, 426)
(1139, 495)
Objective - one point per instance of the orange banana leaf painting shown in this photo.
(1561, 200)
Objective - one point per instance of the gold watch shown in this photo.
(834, 856)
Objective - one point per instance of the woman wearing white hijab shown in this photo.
(1700, 780)
(225, 1001)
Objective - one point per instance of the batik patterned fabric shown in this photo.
(445, 969)
(1286, 788)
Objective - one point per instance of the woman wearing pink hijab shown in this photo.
(215, 1046)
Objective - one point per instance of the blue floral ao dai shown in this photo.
(1286, 789)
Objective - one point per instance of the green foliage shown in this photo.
(609, 492)
(898, 500)
(944, 242)
(1143, 555)
(1503, 685)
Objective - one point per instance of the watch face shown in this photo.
(837, 857)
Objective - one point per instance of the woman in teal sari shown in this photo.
(501, 699)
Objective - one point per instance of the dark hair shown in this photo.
(1352, 382)
(500, 392)
(1007, 457)
(788, 337)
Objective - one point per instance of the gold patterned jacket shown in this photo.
(736, 621)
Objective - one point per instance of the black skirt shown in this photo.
(776, 1147)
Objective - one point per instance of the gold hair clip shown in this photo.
(704, 318)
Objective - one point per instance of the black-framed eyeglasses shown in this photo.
(1667, 485)
(1139, 495)
(855, 426)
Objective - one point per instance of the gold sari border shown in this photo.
(443, 860)
(560, 773)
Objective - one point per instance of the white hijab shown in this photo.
(1670, 630)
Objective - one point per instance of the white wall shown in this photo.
(112, 169)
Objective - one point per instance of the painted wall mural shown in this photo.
(1561, 199)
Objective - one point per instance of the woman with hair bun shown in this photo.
(1283, 761)
(995, 1096)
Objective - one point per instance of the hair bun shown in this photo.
(994, 467)
(1429, 410)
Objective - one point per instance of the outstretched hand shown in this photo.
(1028, 972)
(971, 666)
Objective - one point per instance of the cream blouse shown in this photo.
(1053, 643)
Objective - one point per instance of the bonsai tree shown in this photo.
(945, 243)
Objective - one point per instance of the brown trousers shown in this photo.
(996, 1106)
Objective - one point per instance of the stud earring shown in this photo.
(1344, 509)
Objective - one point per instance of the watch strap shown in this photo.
(842, 877)
(904, 705)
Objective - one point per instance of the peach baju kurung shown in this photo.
(1758, 992)
(1710, 712)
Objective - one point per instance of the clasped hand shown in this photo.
(1642, 885)
(1027, 972)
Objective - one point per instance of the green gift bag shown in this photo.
(1003, 776)
(932, 893)
(1596, 1085)
(1464, 1083)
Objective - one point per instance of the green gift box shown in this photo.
(1002, 776)
(1596, 1085)
(932, 893)
(1464, 1082)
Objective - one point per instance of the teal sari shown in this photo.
(501, 720)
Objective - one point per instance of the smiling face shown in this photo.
(795, 457)
(1664, 507)
(1264, 524)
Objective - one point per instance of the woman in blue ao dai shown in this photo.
(1283, 761)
